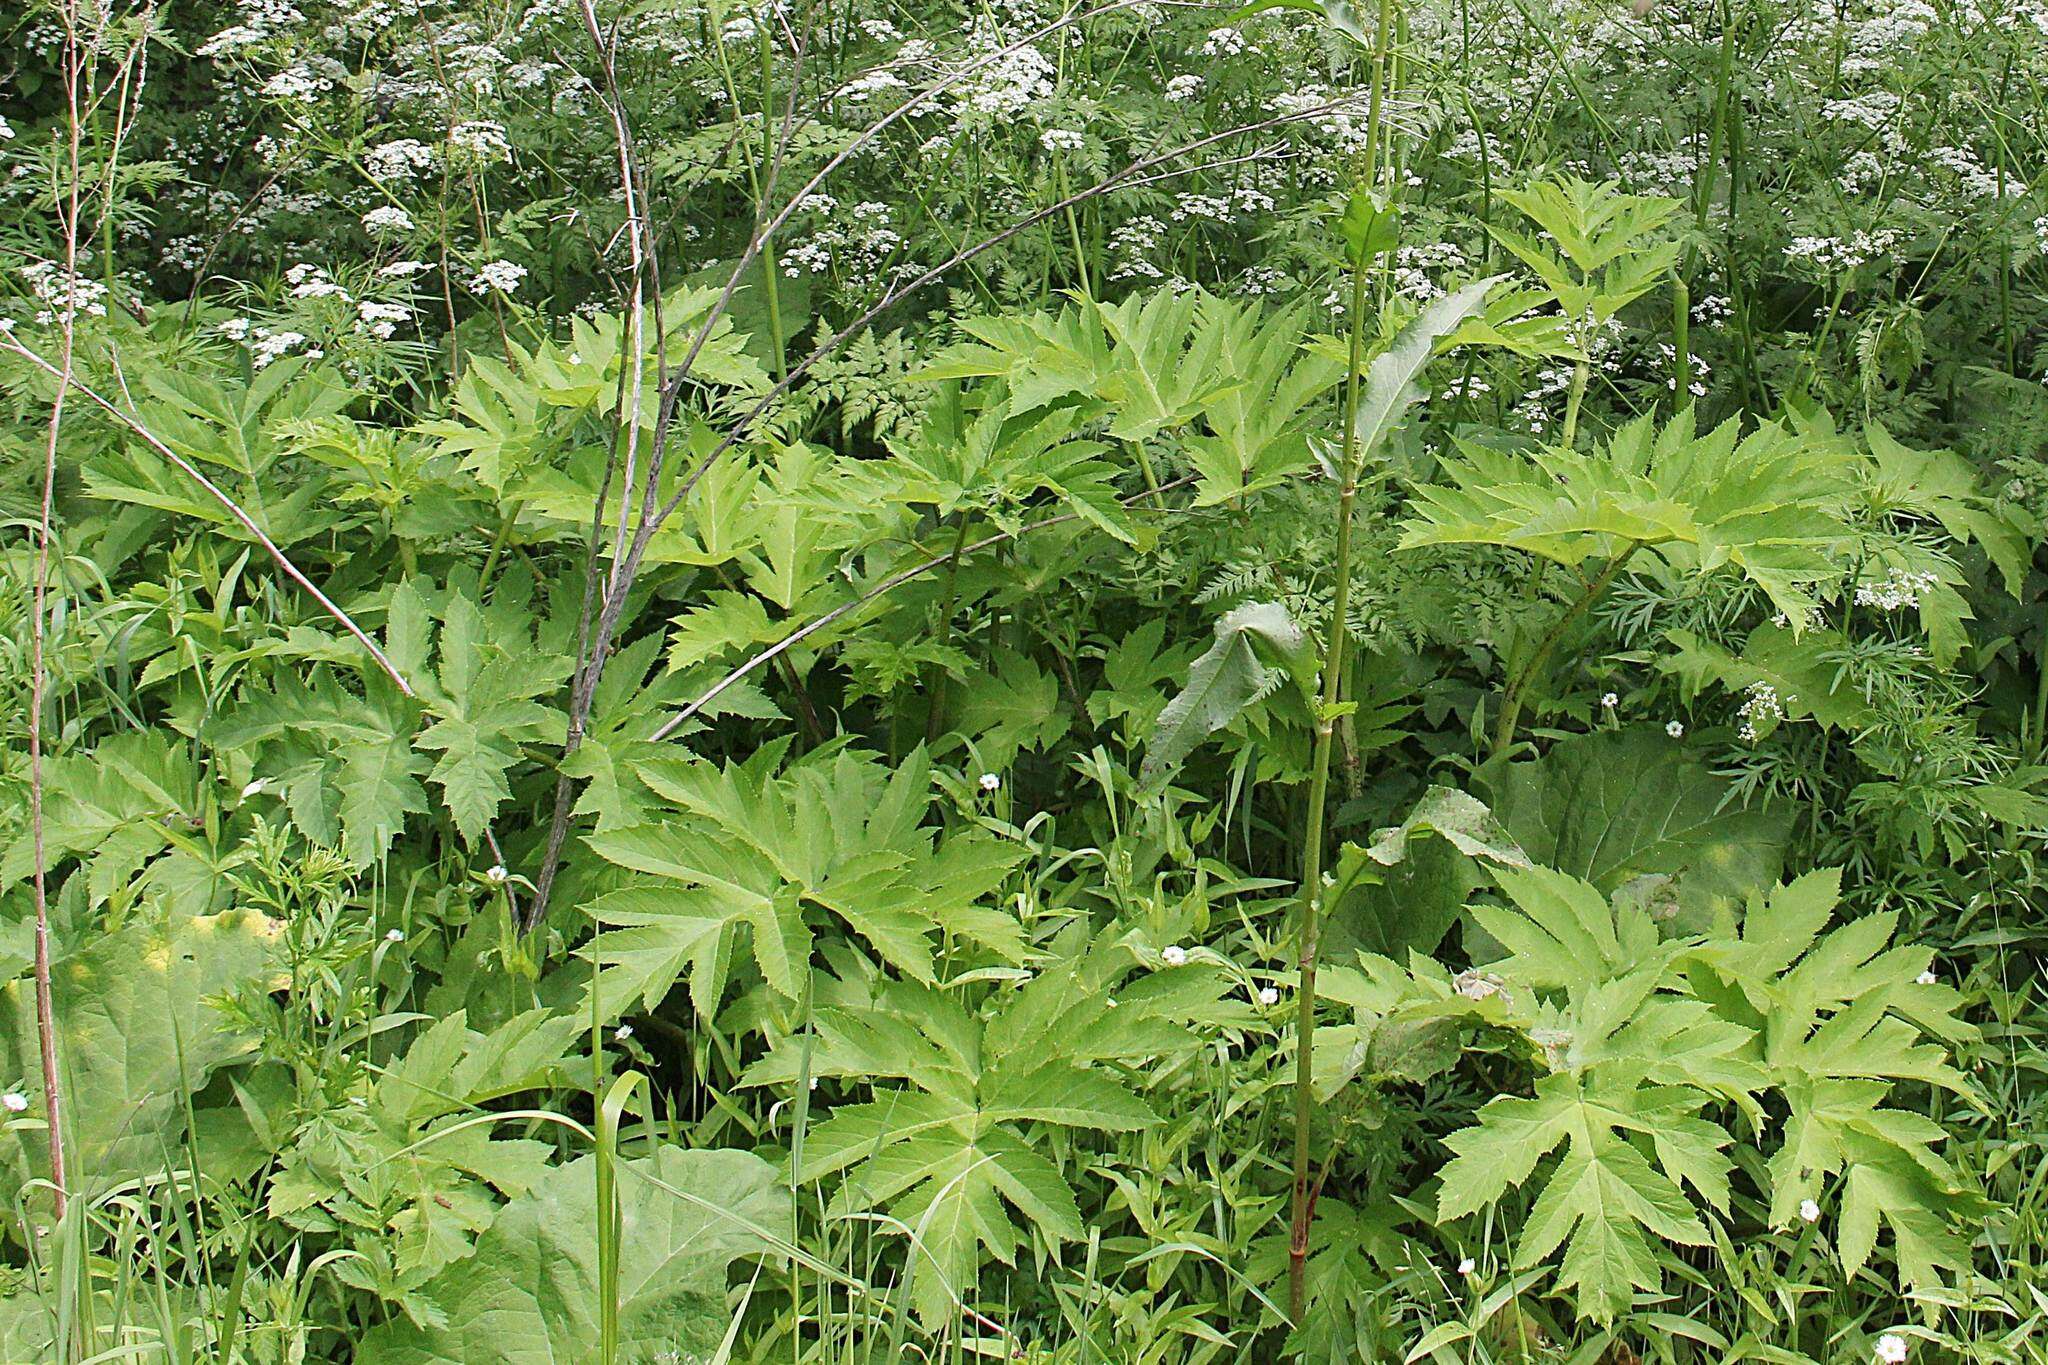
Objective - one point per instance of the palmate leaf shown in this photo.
(1008, 707)
(1226, 377)
(500, 426)
(236, 429)
(1254, 431)
(406, 1173)
(513, 419)
(951, 1144)
(1771, 505)
(1618, 804)
(490, 671)
(114, 810)
(1166, 364)
(351, 751)
(743, 848)
(1403, 891)
(1603, 1197)
(1044, 358)
(378, 783)
(1609, 247)
(140, 1033)
(1941, 486)
(1562, 931)
(1807, 682)
(1639, 1033)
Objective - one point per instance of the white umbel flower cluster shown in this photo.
(497, 276)
(386, 219)
(1760, 710)
(1899, 590)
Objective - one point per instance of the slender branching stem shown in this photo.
(1518, 686)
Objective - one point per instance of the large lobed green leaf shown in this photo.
(528, 1296)
(137, 1032)
(1618, 804)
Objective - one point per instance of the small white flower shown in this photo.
(253, 789)
(1174, 955)
(1269, 995)
(496, 874)
(1891, 1348)
(990, 782)
(623, 1032)
(1467, 1266)
(1927, 978)
(1809, 1212)
(814, 1083)
(319, 287)
(394, 936)
(15, 1101)
(1674, 728)
(1609, 700)
(1060, 140)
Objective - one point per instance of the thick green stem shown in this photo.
(935, 689)
(777, 343)
(1681, 343)
(1303, 1211)
(1580, 373)
(1074, 235)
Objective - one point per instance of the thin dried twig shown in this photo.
(67, 208)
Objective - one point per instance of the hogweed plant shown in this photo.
(1369, 416)
(1119, 682)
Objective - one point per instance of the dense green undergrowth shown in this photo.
(852, 682)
